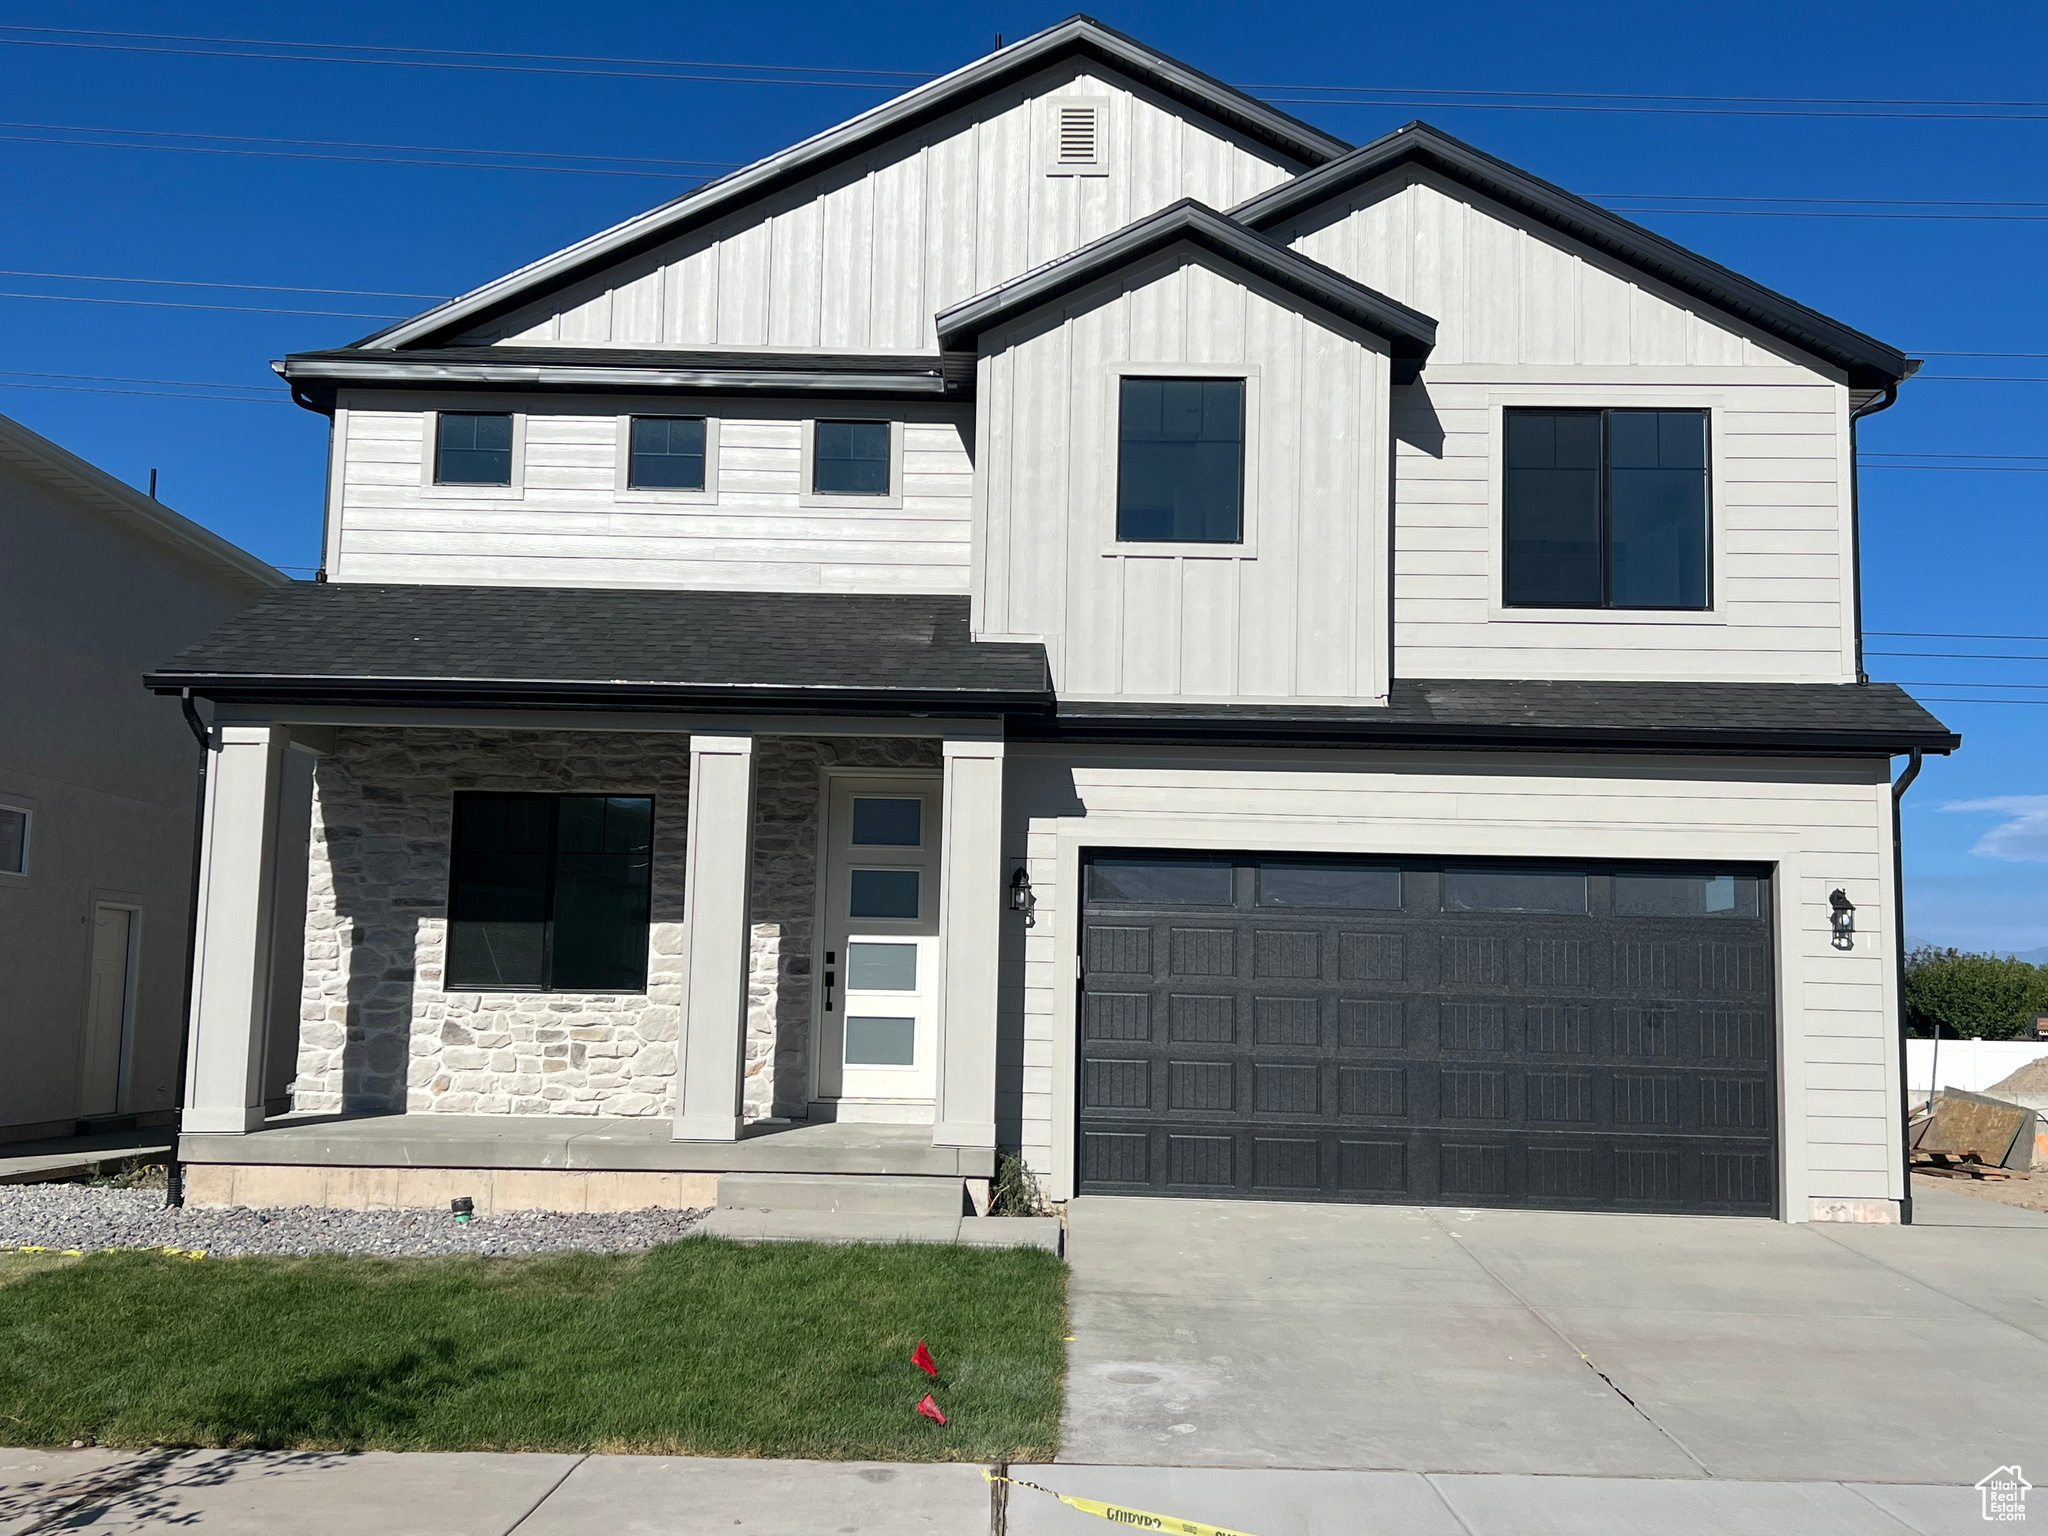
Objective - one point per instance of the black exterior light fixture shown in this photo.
(1021, 899)
(1842, 915)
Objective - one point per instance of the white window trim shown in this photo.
(841, 500)
(1247, 547)
(1617, 397)
(656, 495)
(28, 841)
(430, 426)
(1097, 167)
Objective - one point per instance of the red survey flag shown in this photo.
(924, 1362)
(930, 1409)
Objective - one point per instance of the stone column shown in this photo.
(971, 906)
(234, 925)
(718, 870)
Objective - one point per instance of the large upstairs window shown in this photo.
(1180, 461)
(1606, 509)
(473, 448)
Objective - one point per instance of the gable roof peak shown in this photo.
(1868, 362)
(1077, 36)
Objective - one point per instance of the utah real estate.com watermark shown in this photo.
(2005, 1495)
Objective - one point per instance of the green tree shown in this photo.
(1965, 994)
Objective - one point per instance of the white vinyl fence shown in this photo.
(1972, 1065)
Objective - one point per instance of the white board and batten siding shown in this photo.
(1526, 320)
(1823, 825)
(860, 258)
(565, 522)
(1297, 609)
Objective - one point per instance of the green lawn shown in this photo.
(703, 1347)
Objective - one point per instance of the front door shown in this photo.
(878, 1034)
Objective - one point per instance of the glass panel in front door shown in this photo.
(878, 1029)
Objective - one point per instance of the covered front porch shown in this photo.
(676, 1001)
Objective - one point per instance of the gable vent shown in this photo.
(1077, 148)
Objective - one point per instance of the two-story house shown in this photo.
(1075, 614)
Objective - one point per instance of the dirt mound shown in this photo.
(2032, 1078)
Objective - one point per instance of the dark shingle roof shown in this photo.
(482, 645)
(1794, 717)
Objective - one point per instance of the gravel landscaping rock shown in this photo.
(80, 1216)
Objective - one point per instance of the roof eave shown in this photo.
(1868, 362)
(323, 377)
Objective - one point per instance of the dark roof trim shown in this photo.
(315, 376)
(1080, 36)
(1870, 363)
(1409, 333)
(517, 693)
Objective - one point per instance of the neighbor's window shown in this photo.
(850, 458)
(13, 841)
(473, 448)
(1180, 461)
(549, 893)
(1606, 509)
(667, 454)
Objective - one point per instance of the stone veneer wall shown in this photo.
(379, 1033)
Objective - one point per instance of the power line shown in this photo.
(242, 309)
(119, 378)
(433, 149)
(1820, 213)
(1959, 655)
(1949, 699)
(1898, 202)
(1942, 634)
(1965, 469)
(1925, 353)
(162, 394)
(186, 282)
(1959, 683)
(294, 154)
(1910, 454)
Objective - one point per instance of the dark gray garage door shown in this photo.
(1584, 1037)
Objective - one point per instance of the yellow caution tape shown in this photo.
(79, 1253)
(1137, 1519)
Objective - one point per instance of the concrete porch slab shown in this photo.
(579, 1143)
(70, 1157)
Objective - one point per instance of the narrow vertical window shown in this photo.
(1180, 461)
(667, 453)
(13, 841)
(473, 448)
(850, 458)
(1606, 509)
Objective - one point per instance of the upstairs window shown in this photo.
(1606, 509)
(550, 893)
(473, 448)
(667, 453)
(1180, 461)
(850, 458)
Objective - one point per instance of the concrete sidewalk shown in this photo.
(223, 1493)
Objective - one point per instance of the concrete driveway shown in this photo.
(1241, 1334)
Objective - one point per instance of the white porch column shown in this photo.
(717, 875)
(233, 933)
(971, 906)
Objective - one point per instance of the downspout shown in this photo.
(1883, 402)
(1900, 785)
(174, 1193)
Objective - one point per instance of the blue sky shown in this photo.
(1947, 550)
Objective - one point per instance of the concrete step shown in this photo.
(856, 1194)
(867, 1227)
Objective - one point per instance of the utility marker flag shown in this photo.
(930, 1409)
(1137, 1519)
(924, 1362)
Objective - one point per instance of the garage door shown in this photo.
(1590, 1037)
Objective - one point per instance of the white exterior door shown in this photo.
(108, 1001)
(878, 1034)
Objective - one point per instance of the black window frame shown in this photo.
(1243, 383)
(890, 468)
(452, 982)
(634, 483)
(511, 419)
(1606, 414)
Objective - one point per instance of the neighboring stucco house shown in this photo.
(1075, 614)
(96, 785)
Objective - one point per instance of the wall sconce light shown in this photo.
(1021, 899)
(1842, 914)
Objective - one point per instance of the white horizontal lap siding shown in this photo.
(1296, 610)
(861, 258)
(569, 525)
(1821, 825)
(1523, 319)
